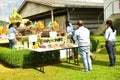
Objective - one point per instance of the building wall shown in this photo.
(111, 7)
(88, 15)
(33, 8)
(61, 21)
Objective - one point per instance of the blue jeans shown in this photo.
(85, 54)
(12, 42)
(110, 46)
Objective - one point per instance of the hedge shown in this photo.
(24, 58)
(4, 45)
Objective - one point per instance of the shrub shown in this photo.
(116, 23)
(4, 45)
(95, 44)
(24, 58)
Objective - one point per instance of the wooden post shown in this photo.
(52, 15)
(119, 4)
(68, 15)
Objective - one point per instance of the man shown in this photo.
(82, 35)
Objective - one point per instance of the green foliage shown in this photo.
(95, 43)
(3, 23)
(4, 45)
(99, 42)
(23, 58)
(116, 23)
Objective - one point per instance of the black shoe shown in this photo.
(90, 69)
(112, 65)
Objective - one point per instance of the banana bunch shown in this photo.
(35, 46)
(67, 38)
(32, 30)
(5, 30)
(40, 25)
(15, 17)
(56, 26)
(0, 31)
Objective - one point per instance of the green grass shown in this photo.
(65, 71)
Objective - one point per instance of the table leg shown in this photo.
(76, 57)
(42, 63)
(69, 55)
(36, 62)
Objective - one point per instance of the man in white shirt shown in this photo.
(82, 35)
(110, 37)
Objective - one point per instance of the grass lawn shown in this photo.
(65, 71)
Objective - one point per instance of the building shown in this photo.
(111, 7)
(112, 12)
(61, 10)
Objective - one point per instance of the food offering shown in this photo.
(23, 25)
(15, 17)
(56, 45)
(40, 26)
(35, 45)
(0, 31)
(31, 28)
(4, 30)
(26, 28)
(45, 46)
(67, 38)
(56, 26)
(27, 22)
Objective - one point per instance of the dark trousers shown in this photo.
(110, 46)
(12, 42)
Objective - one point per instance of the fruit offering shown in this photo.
(67, 38)
(15, 17)
(27, 22)
(46, 45)
(40, 25)
(0, 31)
(56, 26)
(5, 30)
(32, 30)
(35, 45)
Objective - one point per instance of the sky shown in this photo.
(6, 7)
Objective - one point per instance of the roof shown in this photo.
(62, 3)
